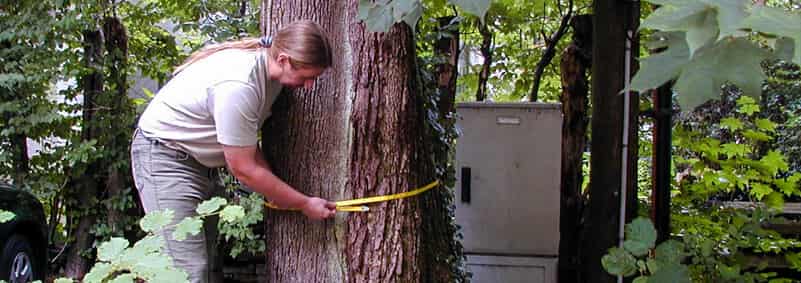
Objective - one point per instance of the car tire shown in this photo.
(18, 263)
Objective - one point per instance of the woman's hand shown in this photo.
(317, 208)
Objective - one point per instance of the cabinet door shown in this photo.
(508, 168)
(495, 269)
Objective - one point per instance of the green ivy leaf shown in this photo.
(475, 7)
(619, 262)
(669, 252)
(111, 249)
(732, 124)
(640, 279)
(232, 213)
(65, 280)
(640, 236)
(210, 206)
(777, 22)
(98, 273)
(735, 61)
(6, 216)
(190, 225)
(156, 220)
(672, 273)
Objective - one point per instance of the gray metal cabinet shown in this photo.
(508, 161)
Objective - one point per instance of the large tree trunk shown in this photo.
(575, 94)
(117, 137)
(612, 20)
(358, 133)
(84, 186)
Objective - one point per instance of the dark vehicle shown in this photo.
(23, 239)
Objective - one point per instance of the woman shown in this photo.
(208, 116)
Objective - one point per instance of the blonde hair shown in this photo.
(304, 42)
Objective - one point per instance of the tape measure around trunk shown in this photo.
(359, 204)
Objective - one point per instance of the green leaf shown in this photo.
(794, 259)
(783, 48)
(673, 16)
(111, 249)
(150, 244)
(170, 276)
(210, 206)
(659, 68)
(735, 149)
(672, 273)
(6, 216)
(759, 190)
(730, 15)
(98, 273)
(756, 136)
(640, 279)
(789, 187)
(777, 22)
(379, 18)
(774, 162)
(765, 125)
(775, 200)
(124, 278)
(190, 225)
(232, 213)
(619, 262)
(669, 252)
(640, 236)
(736, 61)
(652, 265)
(729, 272)
(65, 280)
(475, 7)
(156, 220)
(732, 124)
(408, 11)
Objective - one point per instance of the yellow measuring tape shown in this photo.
(358, 205)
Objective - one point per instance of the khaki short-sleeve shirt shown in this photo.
(220, 100)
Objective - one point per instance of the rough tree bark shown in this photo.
(84, 187)
(357, 133)
(611, 22)
(118, 142)
(576, 60)
(448, 49)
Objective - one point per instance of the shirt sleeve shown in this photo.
(236, 113)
